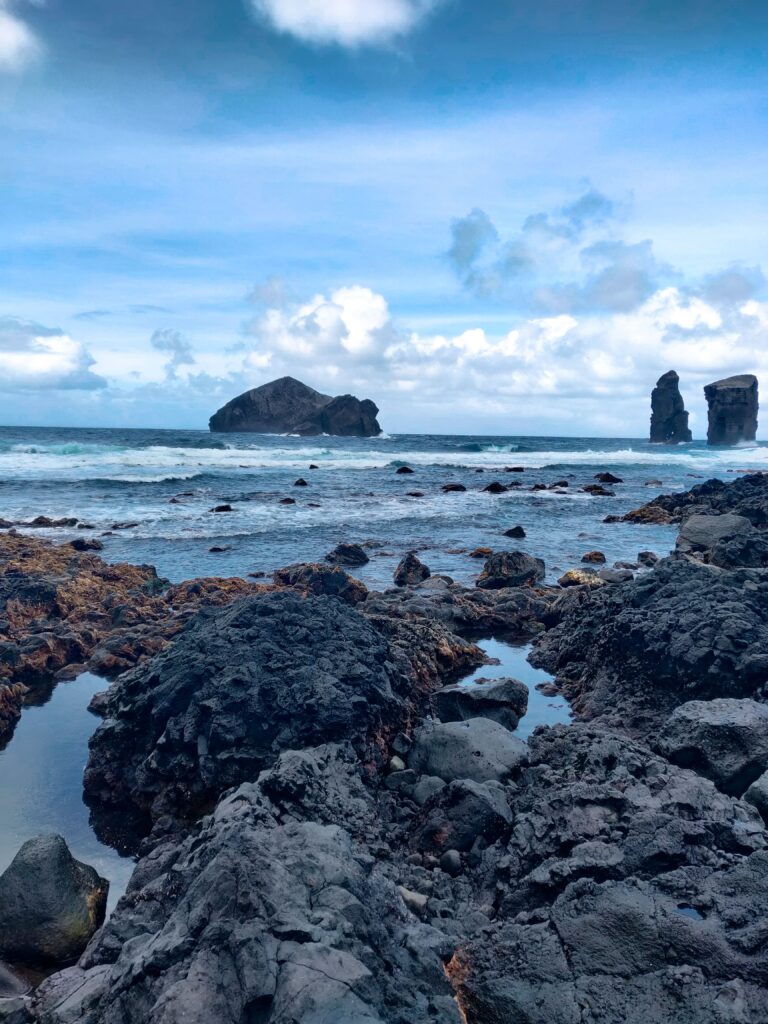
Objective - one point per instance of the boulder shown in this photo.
(50, 903)
(453, 488)
(669, 420)
(238, 686)
(286, 406)
(757, 795)
(607, 478)
(410, 570)
(615, 575)
(727, 540)
(724, 739)
(502, 700)
(594, 558)
(313, 578)
(463, 812)
(581, 578)
(347, 554)
(495, 487)
(516, 532)
(510, 569)
(733, 405)
(476, 749)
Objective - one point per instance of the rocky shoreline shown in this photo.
(328, 830)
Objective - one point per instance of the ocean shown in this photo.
(165, 482)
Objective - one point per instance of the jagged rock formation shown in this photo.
(669, 420)
(733, 404)
(747, 496)
(286, 406)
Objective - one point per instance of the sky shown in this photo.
(489, 216)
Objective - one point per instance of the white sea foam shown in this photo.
(77, 462)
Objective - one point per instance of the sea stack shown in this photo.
(733, 407)
(669, 420)
(286, 406)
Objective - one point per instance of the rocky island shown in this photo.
(669, 420)
(733, 404)
(286, 406)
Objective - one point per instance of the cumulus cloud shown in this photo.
(353, 325)
(33, 358)
(603, 359)
(19, 46)
(178, 348)
(348, 23)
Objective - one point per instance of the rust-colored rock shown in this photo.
(60, 607)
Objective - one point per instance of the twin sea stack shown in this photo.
(286, 406)
(732, 410)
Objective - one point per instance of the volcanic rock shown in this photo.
(410, 570)
(50, 903)
(403, 470)
(724, 739)
(476, 749)
(463, 812)
(733, 404)
(594, 558)
(313, 578)
(348, 554)
(453, 488)
(510, 569)
(630, 654)
(266, 674)
(669, 420)
(502, 700)
(516, 532)
(286, 406)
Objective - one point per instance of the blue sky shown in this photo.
(495, 217)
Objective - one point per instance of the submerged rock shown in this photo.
(286, 406)
(669, 420)
(348, 554)
(50, 903)
(733, 404)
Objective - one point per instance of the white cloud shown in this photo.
(19, 46)
(606, 359)
(349, 23)
(33, 358)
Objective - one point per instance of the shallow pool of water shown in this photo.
(512, 662)
(41, 773)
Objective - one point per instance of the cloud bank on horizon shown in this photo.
(433, 256)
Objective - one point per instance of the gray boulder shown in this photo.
(757, 795)
(724, 739)
(463, 812)
(510, 569)
(733, 404)
(503, 700)
(669, 420)
(50, 903)
(477, 749)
